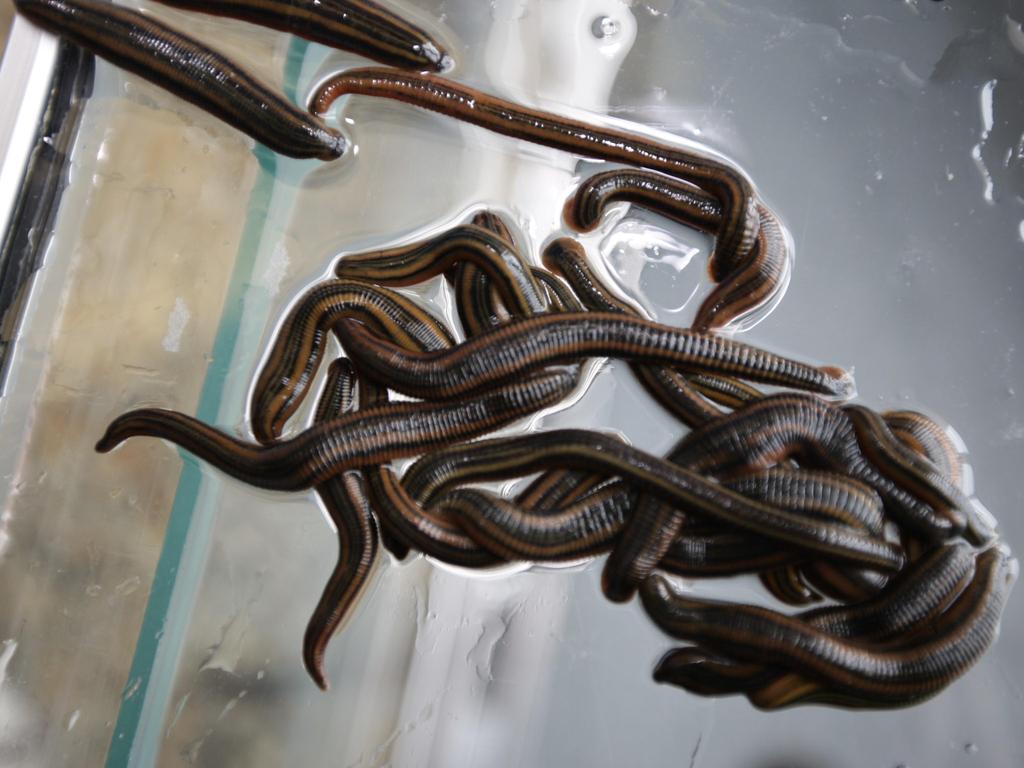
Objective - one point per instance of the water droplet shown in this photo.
(648, 261)
(971, 748)
(604, 27)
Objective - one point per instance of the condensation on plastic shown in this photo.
(153, 610)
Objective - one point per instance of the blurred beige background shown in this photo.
(6, 14)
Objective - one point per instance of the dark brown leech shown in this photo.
(345, 502)
(358, 26)
(417, 262)
(745, 284)
(754, 283)
(927, 437)
(758, 436)
(819, 494)
(715, 554)
(843, 583)
(298, 346)
(729, 392)
(187, 68)
(550, 530)
(364, 439)
(887, 676)
(576, 531)
(683, 203)
(476, 301)
(427, 530)
(601, 454)
(915, 473)
(678, 392)
(739, 222)
(519, 346)
(787, 585)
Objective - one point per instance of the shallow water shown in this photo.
(889, 138)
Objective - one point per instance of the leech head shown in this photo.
(440, 61)
(559, 252)
(110, 439)
(335, 144)
(843, 385)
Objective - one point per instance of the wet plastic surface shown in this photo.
(154, 610)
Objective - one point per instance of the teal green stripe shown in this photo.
(191, 475)
(293, 68)
(182, 511)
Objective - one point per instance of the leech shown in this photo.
(298, 346)
(786, 584)
(363, 439)
(926, 436)
(916, 473)
(725, 391)
(345, 502)
(898, 676)
(734, 192)
(756, 437)
(547, 520)
(431, 532)
(601, 454)
(185, 67)
(359, 26)
(523, 345)
(746, 283)
(847, 584)
(417, 262)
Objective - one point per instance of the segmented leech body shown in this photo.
(929, 438)
(347, 505)
(683, 203)
(756, 281)
(477, 301)
(414, 263)
(738, 226)
(362, 439)
(596, 453)
(338, 395)
(558, 535)
(526, 344)
(723, 390)
(819, 494)
(848, 669)
(745, 283)
(531, 527)
(758, 436)
(755, 437)
(414, 527)
(786, 584)
(914, 472)
(298, 346)
(560, 295)
(358, 26)
(568, 528)
(712, 554)
(185, 67)
(686, 395)
(843, 583)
